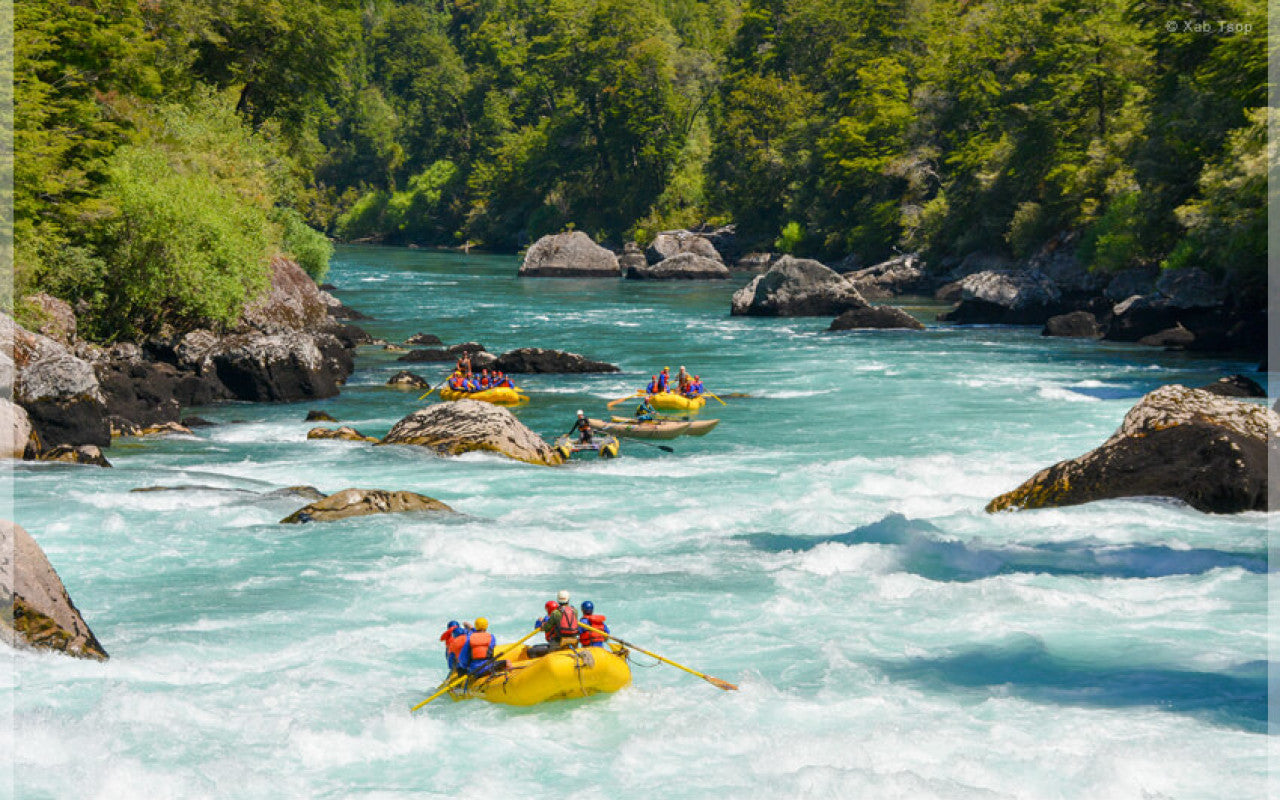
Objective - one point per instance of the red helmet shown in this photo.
(551, 605)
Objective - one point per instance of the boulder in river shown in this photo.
(281, 367)
(88, 454)
(904, 274)
(797, 287)
(424, 339)
(319, 416)
(362, 502)
(539, 360)
(569, 255)
(1235, 386)
(434, 354)
(632, 257)
(1005, 297)
(1076, 325)
(683, 266)
(669, 244)
(466, 425)
(42, 615)
(756, 262)
(404, 379)
(1188, 444)
(1176, 337)
(875, 317)
(15, 426)
(344, 432)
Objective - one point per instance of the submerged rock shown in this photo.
(42, 614)
(344, 432)
(875, 317)
(466, 425)
(88, 454)
(684, 266)
(1188, 444)
(405, 379)
(362, 502)
(1235, 386)
(319, 416)
(796, 287)
(539, 360)
(424, 339)
(569, 255)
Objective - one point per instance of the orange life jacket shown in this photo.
(588, 638)
(568, 627)
(481, 645)
(454, 645)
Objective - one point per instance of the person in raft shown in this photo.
(695, 387)
(682, 380)
(645, 411)
(454, 637)
(561, 626)
(582, 426)
(652, 388)
(589, 616)
(464, 364)
(476, 658)
(664, 379)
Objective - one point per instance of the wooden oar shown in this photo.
(455, 681)
(716, 682)
(613, 403)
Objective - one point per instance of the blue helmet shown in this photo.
(453, 623)
(588, 607)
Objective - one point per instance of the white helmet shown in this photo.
(563, 596)
(579, 412)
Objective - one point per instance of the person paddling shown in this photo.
(582, 426)
(476, 658)
(561, 626)
(589, 638)
(454, 637)
(664, 379)
(645, 412)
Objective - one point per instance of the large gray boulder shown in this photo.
(631, 258)
(1057, 259)
(1005, 297)
(1129, 282)
(43, 615)
(362, 502)
(540, 360)
(875, 317)
(1076, 325)
(59, 391)
(1189, 444)
(16, 430)
(797, 287)
(281, 367)
(670, 244)
(463, 426)
(1188, 288)
(683, 266)
(291, 303)
(569, 255)
(899, 275)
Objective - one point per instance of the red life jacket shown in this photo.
(481, 645)
(454, 646)
(588, 638)
(568, 627)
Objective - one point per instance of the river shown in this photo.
(825, 547)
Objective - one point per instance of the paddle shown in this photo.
(455, 681)
(709, 394)
(716, 682)
(613, 403)
(429, 391)
(661, 447)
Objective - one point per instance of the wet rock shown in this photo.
(351, 336)
(875, 317)
(124, 427)
(57, 319)
(1188, 288)
(1206, 450)
(339, 310)
(59, 391)
(428, 355)
(670, 244)
(291, 303)
(724, 239)
(344, 433)
(900, 275)
(683, 266)
(796, 287)
(196, 422)
(17, 431)
(362, 502)
(1005, 297)
(87, 454)
(394, 348)
(1130, 282)
(281, 367)
(632, 257)
(420, 339)
(1175, 337)
(1140, 316)
(408, 380)
(539, 360)
(1076, 325)
(1235, 386)
(569, 255)
(149, 393)
(308, 493)
(319, 416)
(466, 425)
(42, 615)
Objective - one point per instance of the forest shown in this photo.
(166, 150)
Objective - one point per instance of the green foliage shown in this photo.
(790, 238)
(308, 246)
(1113, 242)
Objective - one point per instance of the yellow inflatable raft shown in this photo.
(501, 395)
(558, 675)
(670, 401)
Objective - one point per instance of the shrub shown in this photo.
(308, 246)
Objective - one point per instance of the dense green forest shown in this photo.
(165, 150)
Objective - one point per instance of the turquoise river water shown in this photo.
(825, 547)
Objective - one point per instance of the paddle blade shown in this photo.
(719, 684)
(665, 449)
